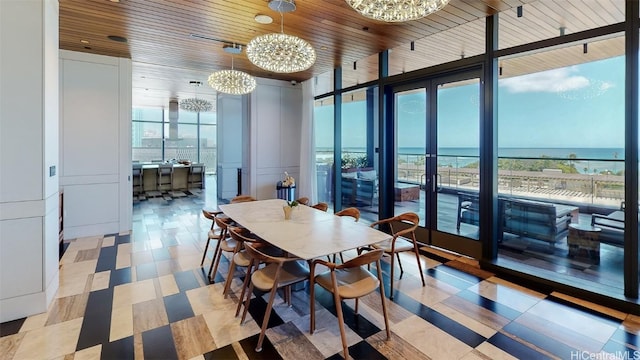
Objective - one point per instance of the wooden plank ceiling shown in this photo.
(166, 57)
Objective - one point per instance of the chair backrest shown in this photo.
(208, 215)
(242, 198)
(165, 169)
(196, 168)
(365, 258)
(303, 200)
(351, 211)
(241, 235)
(254, 252)
(409, 217)
(321, 206)
(222, 222)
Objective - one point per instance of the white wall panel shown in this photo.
(51, 248)
(268, 126)
(90, 128)
(20, 257)
(51, 101)
(291, 123)
(90, 204)
(95, 151)
(28, 147)
(21, 119)
(229, 140)
(274, 129)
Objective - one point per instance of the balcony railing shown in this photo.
(574, 180)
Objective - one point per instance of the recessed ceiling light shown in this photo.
(117, 38)
(84, 41)
(263, 19)
(116, 1)
(323, 48)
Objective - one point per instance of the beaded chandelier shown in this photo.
(396, 10)
(279, 52)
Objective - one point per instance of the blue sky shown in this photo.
(580, 106)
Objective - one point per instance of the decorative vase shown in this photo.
(287, 212)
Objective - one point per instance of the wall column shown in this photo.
(28, 157)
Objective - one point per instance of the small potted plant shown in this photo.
(289, 208)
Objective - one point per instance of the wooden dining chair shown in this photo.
(321, 206)
(402, 240)
(225, 244)
(211, 235)
(278, 272)
(303, 201)
(242, 198)
(240, 257)
(351, 212)
(350, 280)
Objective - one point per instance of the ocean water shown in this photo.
(558, 153)
(586, 160)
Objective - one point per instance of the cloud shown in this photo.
(553, 81)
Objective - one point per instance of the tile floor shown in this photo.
(144, 295)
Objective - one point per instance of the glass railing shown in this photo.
(597, 182)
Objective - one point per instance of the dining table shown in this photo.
(308, 234)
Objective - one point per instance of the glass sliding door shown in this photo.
(359, 175)
(323, 130)
(457, 157)
(571, 162)
(437, 159)
(411, 139)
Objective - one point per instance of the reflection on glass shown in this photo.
(323, 131)
(359, 178)
(561, 149)
(155, 138)
(411, 139)
(146, 141)
(458, 178)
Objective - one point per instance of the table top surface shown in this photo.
(310, 233)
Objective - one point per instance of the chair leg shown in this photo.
(384, 303)
(244, 287)
(206, 247)
(265, 321)
(227, 282)
(312, 305)
(246, 303)
(343, 336)
(417, 252)
(213, 270)
(391, 276)
(400, 264)
(355, 310)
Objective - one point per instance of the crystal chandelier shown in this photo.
(396, 10)
(195, 104)
(279, 52)
(232, 81)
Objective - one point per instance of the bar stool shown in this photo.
(196, 176)
(165, 176)
(137, 180)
